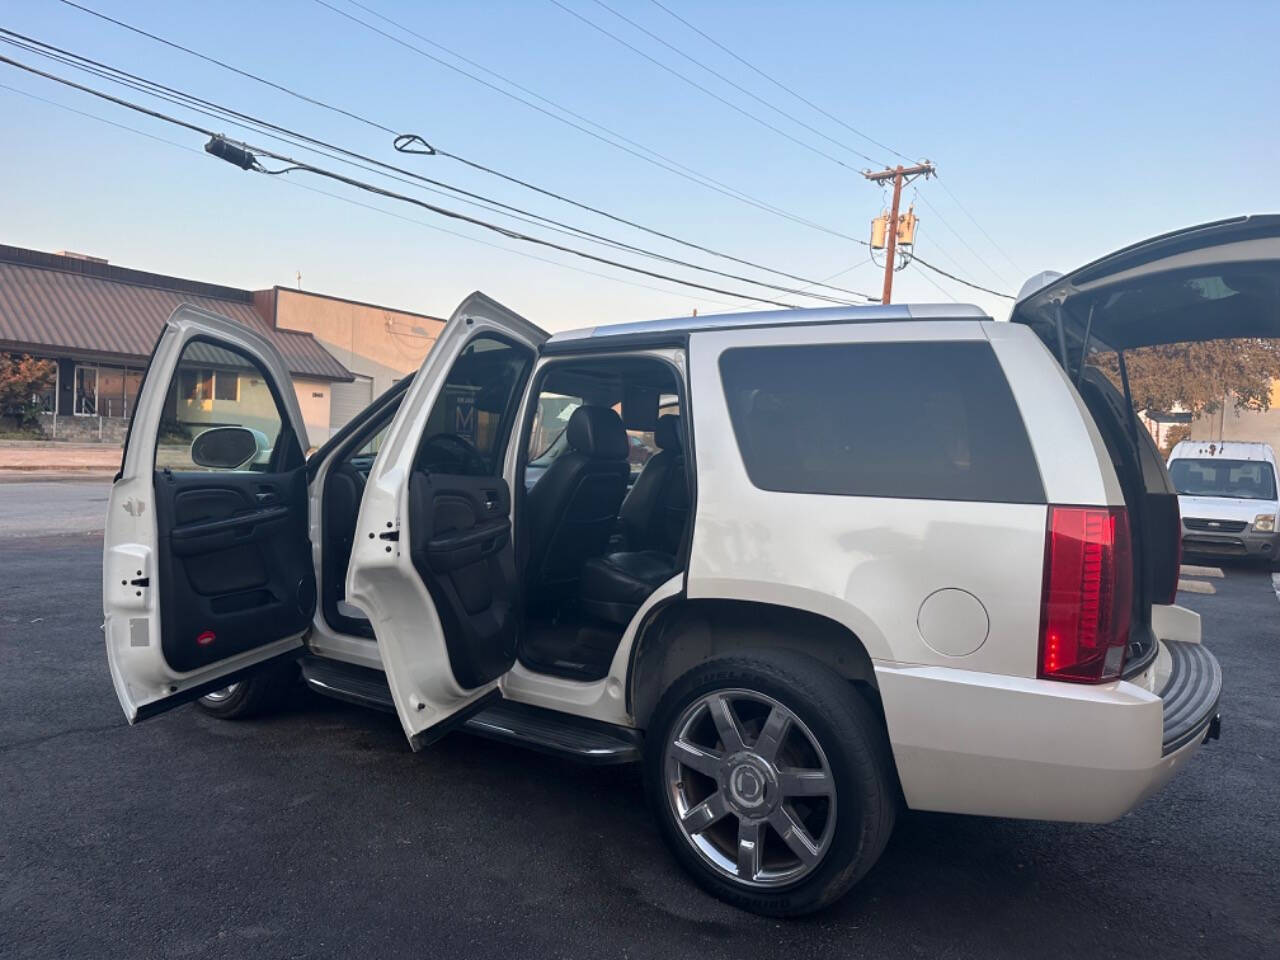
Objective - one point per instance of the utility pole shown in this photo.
(900, 175)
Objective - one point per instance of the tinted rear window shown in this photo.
(919, 420)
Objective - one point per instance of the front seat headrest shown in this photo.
(667, 432)
(597, 432)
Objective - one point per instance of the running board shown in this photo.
(548, 731)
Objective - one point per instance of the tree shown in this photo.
(1199, 377)
(22, 379)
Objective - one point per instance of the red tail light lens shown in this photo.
(1088, 594)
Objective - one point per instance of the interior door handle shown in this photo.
(265, 497)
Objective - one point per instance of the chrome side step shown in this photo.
(548, 731)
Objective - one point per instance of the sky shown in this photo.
(1060, 133)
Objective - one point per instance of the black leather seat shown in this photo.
(614, 586)
(573, 508)
(655, 511)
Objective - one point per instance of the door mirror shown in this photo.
(227, 448)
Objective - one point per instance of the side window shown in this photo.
(642, 444)
(216, 387)
(468, 426)
(550, 419)
(915, 420)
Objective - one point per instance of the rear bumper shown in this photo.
(991, 745)
(1243, 544)
(1190, 696)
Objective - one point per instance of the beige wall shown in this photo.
(382, 344)
(1250, 425)
(313, 399)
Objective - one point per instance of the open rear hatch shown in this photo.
(1216, 281)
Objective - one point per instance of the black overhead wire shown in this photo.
(453, 156)
(481, 167)
(298, 139)
(737, 86)
(369, 206)
(648, 155)
(951, 276)
(216, 139)
(779, 84)
(668, 163)
(697, 86)
(830, 116)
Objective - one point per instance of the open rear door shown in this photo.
(1217, 281)
(433, 566)
(206, 572)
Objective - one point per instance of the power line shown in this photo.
(293, 137)
(296, 165)
(632, 147)
(737, 86)
(780, 85)
(830, 116)
(990, 238)
(697, 86)
(955, 233)
(721, 188)
(952, 276)
(374, 124)
(368, 206)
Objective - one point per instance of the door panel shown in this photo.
(461, 547)
(206, 565)
(432, 565)
(237, 569)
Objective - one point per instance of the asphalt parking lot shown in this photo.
(318, 833)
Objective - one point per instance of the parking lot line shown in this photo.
(1196, 586)
(1189, 570)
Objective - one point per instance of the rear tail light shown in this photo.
(1088, 594)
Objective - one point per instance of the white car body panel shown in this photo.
(132, 614)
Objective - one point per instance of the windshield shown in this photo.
(1241, 479)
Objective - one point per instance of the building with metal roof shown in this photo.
(99, 322)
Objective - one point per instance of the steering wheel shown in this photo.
(444, 451)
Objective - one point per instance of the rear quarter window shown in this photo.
(932, 420)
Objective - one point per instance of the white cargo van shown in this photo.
(1227, 495)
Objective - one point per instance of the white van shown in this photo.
(1227, 495)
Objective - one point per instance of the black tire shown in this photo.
(851, 735)
(263, 692)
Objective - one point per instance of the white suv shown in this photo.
(881, 555)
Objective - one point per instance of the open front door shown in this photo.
(433, 567)
(206, 572)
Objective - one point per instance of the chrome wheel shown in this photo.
(218, 696)
(750, 788)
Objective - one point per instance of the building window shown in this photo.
(226, 386)
(105, 391)
(46, 398)
(86, 387)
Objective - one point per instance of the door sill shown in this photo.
(547, 731)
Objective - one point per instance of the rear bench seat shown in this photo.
(615, 585)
